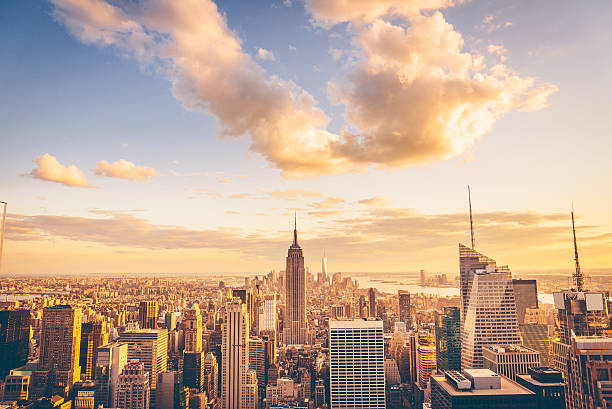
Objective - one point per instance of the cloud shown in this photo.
(48, 168)
(292, 48)
(414, 97)
(330, 202)
(238, 195)
(489, 24)
(496, 49)
(335, 53)
(265, 55)
(293, 194)
(376, 201)
(360, 241)
(123, 169)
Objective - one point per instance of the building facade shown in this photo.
(357, 364)
(295, 330)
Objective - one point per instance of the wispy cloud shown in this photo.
(330, 202)
(124, 169)
(48, 168)
(376, 201)
(292, 194)
(202, 191)
(265, 55)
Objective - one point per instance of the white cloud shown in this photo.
(49, 169)
(123, 169)
(265, 55)
(415, 97)
(292, 48)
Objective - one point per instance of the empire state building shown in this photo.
(294, 332)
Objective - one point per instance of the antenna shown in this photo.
(578, 277)
(2, 232)
(471, 220)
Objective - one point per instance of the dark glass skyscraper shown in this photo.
(294, 332)
(404, 308)
(448, 339)
(526, 296)
(14, 339)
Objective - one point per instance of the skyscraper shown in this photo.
(193, 370)
(491, 315)
(535, 336)
(14, 339)
(239, 384)
(583, 318)
(269, 314)
(295, 329)
(526, 296)
(111, 360)
(93, 335)
(60, 342)
(150, 347)
(510, 360)
(469, 261)
(448, 339)
(324, 265)
(426, 359)
(404, 308)
(133, 388)
(372, 305)
(192, 328)
(357, 364)
(147, 314)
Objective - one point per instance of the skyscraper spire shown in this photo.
(295, 242)
(578, 277)
(471, 221)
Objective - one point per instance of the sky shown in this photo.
(157, 136)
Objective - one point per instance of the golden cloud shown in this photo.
(123, 169)
(49, 169)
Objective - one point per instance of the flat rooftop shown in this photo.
(507, 388)
(529, 379)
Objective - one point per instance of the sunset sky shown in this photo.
(181, 136)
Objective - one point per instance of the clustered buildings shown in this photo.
(291, 341)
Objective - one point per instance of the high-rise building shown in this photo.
(60, 342)
(257, 359)
(547, 384)
(526, 296)
(16, 386)
(133, 388)
(147, 314)
(194, 370)
(269, 314)
(239, 384)
(469, 261)
(589, 372)
(14, 339)
(192, 328)
(150, 347)
(211, 369)
(295, 330)
(170, 320)
(357, 364)
(426, 359)
(582, 320)
(448, 339)
(510, 360)
(324, 266)
(93, 335)
(172, 394)
(363, 307)
(404, 308)
(535, 336)
(478, 389)
(491, 315)
(111, 360)
(372, 305)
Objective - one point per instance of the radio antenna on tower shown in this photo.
(578, 277)
(471, 220)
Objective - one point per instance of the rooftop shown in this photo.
(508, 387)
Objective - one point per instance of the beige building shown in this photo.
(510, 360)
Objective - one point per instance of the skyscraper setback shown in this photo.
(490, 311)
(295, 330)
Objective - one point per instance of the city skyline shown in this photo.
(120, 159)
